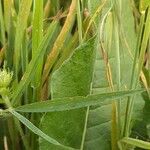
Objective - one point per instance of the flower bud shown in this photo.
(5, 78)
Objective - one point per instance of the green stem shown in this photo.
(2, 29)
(17, 123)
(79, 19)
(85, 128)
(24, 139)
(137, 67)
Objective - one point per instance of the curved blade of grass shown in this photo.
(72, 44)
(70, 103)
(136, 142)
(59, 41)
(33, 64)
(36, 130)
(137, 66)
(24, 12)
(92, 20)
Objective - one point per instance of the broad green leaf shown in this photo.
(136, 142)
(73, 78)
(69, 103)
(33, 64)
(99, 119)
(36, 130)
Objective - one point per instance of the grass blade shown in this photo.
(37, 33)
(79, 20)
(136, 142)
(59, 41)
(24, 11)
(137, 67)
(7, 12)
(2, 26)
(33, 64)
(36, 130)
(67, 103)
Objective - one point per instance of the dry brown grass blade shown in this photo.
(53, 55)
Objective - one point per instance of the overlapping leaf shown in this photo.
(73, 78)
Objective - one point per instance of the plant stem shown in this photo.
(137, 66)
(79, 19)
(85, 128)
(8, 103)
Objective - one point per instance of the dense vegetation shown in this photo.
(74, 74)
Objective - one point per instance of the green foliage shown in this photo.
(67, 103)
(90, 59)
(65, 83)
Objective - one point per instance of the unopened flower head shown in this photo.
(5, 78)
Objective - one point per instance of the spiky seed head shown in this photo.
(5, 78)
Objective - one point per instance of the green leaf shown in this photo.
(139, 61)
(136, 142)
(69, 103)
(36, 130)
(99, 120)
(73, 78)
(33, 64)
(37, 34)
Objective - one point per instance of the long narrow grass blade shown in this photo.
(7, 12)
(37, 33)
(137, 66)
(36, 130)
(75, 102)
(116, 126)
(79, 19)
(24, 11)
(136, 142)
(59, 41)
(33, 64)
(2, 25)
(92, 20)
